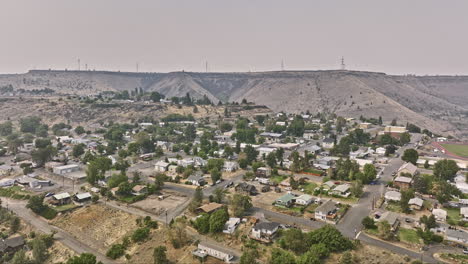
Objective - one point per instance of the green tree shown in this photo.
(20, 257)
(84, 258)
(6, 129)
(197, 199)
(140, 234)
(369, 173)
(156, 97)
(249, 256)
(426, 164)
(384, 229)
(293, 239)
(251, 154)
(115, 251)
(331, 237)
(240, 204)
(347, 258)
(202, 224)
(445, 169)
(279, 256)
(215, 175)
(405, 138)
(30, 124)
(429, 222)
(410, 155)
(80, 130)
(218, 220)
(39, 250)
(368, 222)
(15, 224)
(406, 195)
(92, 173)
(78, 150)
(159, 255)
(357, 189)
(43, 155)
(310, 257)
(218, 195)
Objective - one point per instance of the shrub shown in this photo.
(116, 251)
(140, 234)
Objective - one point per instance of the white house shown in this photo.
(161, 166)
(342, 190)
(328, 143)
(393, 196)
(211, 250)
(464, 213)
(326, 211)
(304, 199)
(231, 225)
(380, 151)
(66, 169)
(440, 215)
(264, 231)
(230, 166)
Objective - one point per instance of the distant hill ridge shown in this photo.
(437, 102)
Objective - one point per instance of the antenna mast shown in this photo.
(137, 67)
(79, 65)
(206, 66)
(282, 65)
(343, 65)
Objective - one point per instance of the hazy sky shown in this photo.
(398, 36)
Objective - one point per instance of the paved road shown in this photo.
(19, 208)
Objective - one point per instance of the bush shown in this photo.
(140, 234)
(116, 251)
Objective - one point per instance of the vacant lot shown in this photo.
(154, 205)
(459, 150)
(371, 255)
(97, 226)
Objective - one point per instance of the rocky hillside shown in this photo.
(436, 102)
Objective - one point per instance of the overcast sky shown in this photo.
(396, 37)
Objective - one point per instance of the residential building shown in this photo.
(231, 225)
(440, 215)
(263, 172)
(61, 170)
(11, 245)
(304, 199)
(408, 169)
(82, 197)
(161, 166)
(272, 137)
(392, 196)
(342, 190)
(328, 143)
(464, 213)
(61, 198)
(230, 166)
(326, 211)
(246, 188)
(264, 231)
(286, 200)
(205, 249)
(196, 179)
(416, 203)
(391, 218)
(402, 182)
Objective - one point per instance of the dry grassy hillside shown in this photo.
(439, 103)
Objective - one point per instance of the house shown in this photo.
(328, 143)
(329, 184)
(263, 172)
(416, 203)
(5, 170)
(365, 125)
(11, 245)
(380, 151)
(231, 225)
(342, 190)
(458, 236)
(230, 166)
(61, 170)
(196, 179)
(82, 197)
(139, 190)
(464, 213)
(246, 188)
(304, 199)
(172, 168)
(165, 146)
(393, 196)
(264, 181)
(286, 200)
(210, 207)
(204, 250)
(408, 169)
(391, 218)
(440, 215)
(265, 151)
(326, 211)
(394, 130)
(402, 182)
(161, 166)
(61, 198)
(264, 231)
(271, 137)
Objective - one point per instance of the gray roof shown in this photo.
(403, 179)
(390, 217)
(326, 207)
(267, 226)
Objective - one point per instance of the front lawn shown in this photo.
(409, 236)
(278, 178)
(394, 207)
(453, 216)
(309, 187)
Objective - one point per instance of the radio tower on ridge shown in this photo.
(282, 65)
(343, 65)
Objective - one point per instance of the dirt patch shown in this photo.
(99, 226)
(58, 253)
(154, 205)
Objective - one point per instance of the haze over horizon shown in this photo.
(399, 37)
